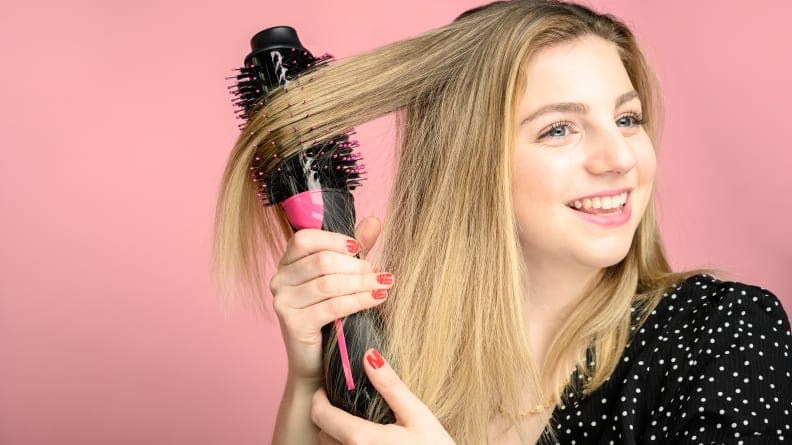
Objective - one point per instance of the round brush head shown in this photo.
(277, 58)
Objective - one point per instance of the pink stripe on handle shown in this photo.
(344, 355)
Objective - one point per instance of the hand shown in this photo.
(415, 423)
(319, 280)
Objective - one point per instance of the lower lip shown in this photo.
(608, 220)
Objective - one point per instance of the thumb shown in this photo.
(408, 409)
(366, 233)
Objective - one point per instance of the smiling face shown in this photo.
(593, 145)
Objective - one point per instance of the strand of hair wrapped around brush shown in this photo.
(309, 169)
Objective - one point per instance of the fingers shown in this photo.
(408, 409)
(337, 423)
(339, 307)
(308, 241)
(318, 264)
(337, 285)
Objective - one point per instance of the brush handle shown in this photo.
(334, 210)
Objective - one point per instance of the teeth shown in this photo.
(607, 202)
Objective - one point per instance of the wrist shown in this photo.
(303, 383)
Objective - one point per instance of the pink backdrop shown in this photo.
(116, 123)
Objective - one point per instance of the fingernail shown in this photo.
(379, 294)
(375, 359)
(352, 246)
(385, 278)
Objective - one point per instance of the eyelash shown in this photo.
(638, 119)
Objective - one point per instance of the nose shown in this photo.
(609, 152)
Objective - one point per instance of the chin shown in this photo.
(604, 253)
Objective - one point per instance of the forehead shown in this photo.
(587, 69)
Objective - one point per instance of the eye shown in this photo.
(559, 129)
(553, 131)
(636, 118)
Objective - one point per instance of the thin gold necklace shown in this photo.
(533, 410)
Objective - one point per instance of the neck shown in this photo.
(552, 294)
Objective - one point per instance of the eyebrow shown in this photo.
(576, 107)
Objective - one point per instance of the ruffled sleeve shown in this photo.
(729, 379)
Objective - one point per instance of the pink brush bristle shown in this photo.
(331, 163)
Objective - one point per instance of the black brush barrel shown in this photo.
(277, 56)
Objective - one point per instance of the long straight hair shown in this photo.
(453, 336)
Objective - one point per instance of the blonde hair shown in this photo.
(454, 319)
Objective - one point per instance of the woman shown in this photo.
(526, 292)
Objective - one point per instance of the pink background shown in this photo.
(116, 123)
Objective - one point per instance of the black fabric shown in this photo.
(711, 365)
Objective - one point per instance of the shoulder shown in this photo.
(710, 364)
(721, 355)
(706, 305)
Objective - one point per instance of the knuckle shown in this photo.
(277, 305)
(300, 239)
(274, 284)
(367, 282)
(281, 300)
(326, 284)
(337, 307)
(324, 261)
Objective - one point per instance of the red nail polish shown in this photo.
(352, 246)
(375, 359)
(385, 278)
(379, 294)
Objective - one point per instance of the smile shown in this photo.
(594, 212)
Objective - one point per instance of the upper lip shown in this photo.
(603, 193)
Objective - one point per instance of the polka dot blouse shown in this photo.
(711, 365)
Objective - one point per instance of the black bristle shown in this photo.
(329, 165)
(270, 65)
(265, 70)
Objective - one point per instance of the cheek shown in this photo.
(532, 181)
(646, 164)
(646, 161)
(524, 189)
(539, 188)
